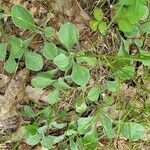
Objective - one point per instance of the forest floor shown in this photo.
(128, 103)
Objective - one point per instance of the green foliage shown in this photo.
(125, 73)
(10, 65)
(33, 61)
(80, 75)
(42, 80)
(50, 50)
(3, 48)
(113, 86)
(53, 97)
(107, 126)
(49, 31)
(90, 140)
(85, 125)
(98, 23)
(16, 47)
(68, 35)
(132, 131)
(80, 105)
(28, 111)
(98, 14)
(145, 27)
(129, 13)
(22, 18)
(94, 93)
(72, 72)
(47, 142)
(125, 25)
(61, 61)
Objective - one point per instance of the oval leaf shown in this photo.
(68, 35)
(145, 27)
(107, 126)
(98, 14)
(22, 18)
(49, 31)
(125, 25)
(61, 61)
(50, 50)
(80, 75)
(41, 82)
(33, 61)
(132, 131)
(94, 93)
(10, 65)
(53, 97)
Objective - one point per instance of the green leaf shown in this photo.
(27, 42)
(50, 50)
(68, 35)
(28, 111)
(61, 61)
(108, 100)
(80, 75)
(58, 139)
(136, 12)
(146, 14)
(113, 86)
(98, 14)
(139, 42)
(85, 124)
(107, 127)
(33, 61)
(89, 59)
(33, 139)
(73, 145)
(94, 93)
(3, 47)
(133, 33)
(125, 25)
(94, 25)
(70, 132)
(49, 31)
(22, 18)
(90, 140)
(102, 27)
(125, 73)
(53, 97)
(144, 57)
(10, 65)
(61, 85)
(145, 27)
(47, 142)
(80, 105)
(57, 126)
(132, 131)
(16, 52)
(41, 81)
(16, 47)
(14, 41)
(32, 128)
(42, 129)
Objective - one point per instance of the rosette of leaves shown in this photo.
(129, 13)
(98, 22)
(64, 61)
(22, 19)
(19, 49)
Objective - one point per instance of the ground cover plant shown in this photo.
(93, 98)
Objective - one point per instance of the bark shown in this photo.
(9, 118)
